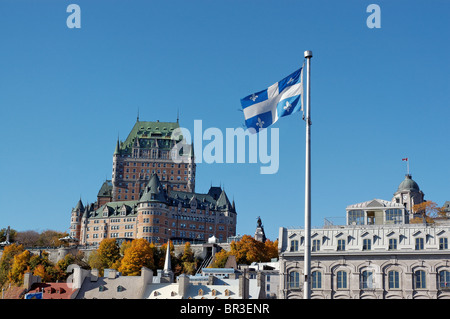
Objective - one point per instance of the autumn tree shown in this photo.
(19, 267)
(271, 249)
(427, 210)
(188, 261)
(246, 251)
(106, 256)
(220, 259)
(27, 238)
(138, 255)
(50, 238)
(7, 260)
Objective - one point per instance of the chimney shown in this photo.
(110, 273)
(79, 274)
(29, 280)
(244, 286)
(94, 275)
(183, 284)
(146, 276)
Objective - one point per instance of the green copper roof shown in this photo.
(408, 185)
(149, 135)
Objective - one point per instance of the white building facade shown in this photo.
(377, 255)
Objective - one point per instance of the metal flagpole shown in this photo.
(307, 259)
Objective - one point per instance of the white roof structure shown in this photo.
(376, 203)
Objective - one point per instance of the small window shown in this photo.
(315, 245)
(294, 245)
(392, 243)
(443, 243)
(419, 243)
(341, 245)
(367, 244)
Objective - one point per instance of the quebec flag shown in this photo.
(263, 108)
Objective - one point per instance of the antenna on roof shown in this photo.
(178, 115)
(137, 119)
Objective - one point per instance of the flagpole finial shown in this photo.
(308, 54)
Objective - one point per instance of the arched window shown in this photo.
(420, 279)
(294, 279)
(366, 280)
(316, 282)
(444, 279)
(341, 279)
(394, 279)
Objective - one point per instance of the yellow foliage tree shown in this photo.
(249, 250)
(220, 259)
(139, 254)
(19, 267)
(428, 210)
(40, 271)
(7, 260)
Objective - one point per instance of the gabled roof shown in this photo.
(376, 203)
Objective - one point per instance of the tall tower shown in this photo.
(146, 151)
(408, 193)
(75, 220)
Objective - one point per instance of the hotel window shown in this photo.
(443, 243)
(419, 244)
(444, 279)
(315, 245)
(294, 279)
(392, 243)
(367, 244)
(341, 245)
(394, 279)
(356, 217)
(316, 282)
(342, 279)
(366, 279)
(419, 279)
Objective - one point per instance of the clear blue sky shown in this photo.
(378, 95)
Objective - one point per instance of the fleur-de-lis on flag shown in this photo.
(260, 123)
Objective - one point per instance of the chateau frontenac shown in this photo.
(152, 196)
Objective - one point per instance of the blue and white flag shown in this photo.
(263, 108)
